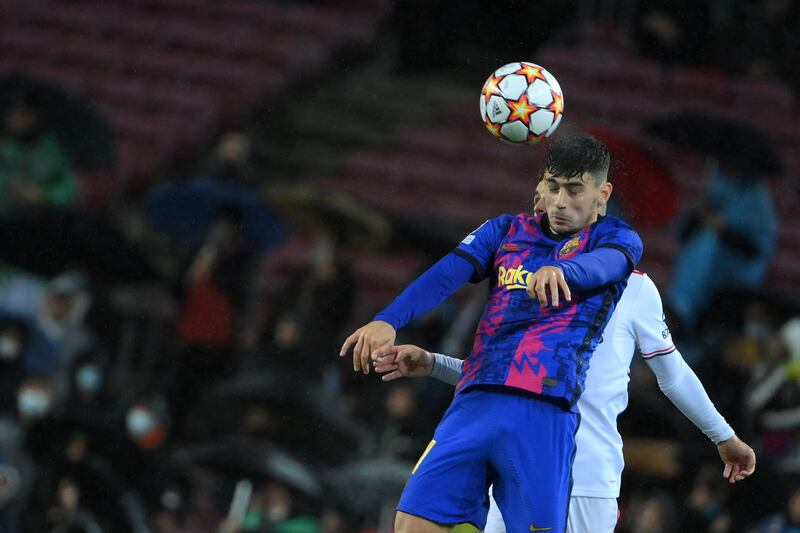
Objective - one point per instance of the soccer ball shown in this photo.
(521, 103)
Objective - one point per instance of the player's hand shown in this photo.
(371, 341)
(548, 280)
(406, 360)
(739, 459)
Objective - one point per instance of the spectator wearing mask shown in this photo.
(90, 402)
(53, 314)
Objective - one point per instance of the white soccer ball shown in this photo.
(521, 103)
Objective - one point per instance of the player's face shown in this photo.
(538, 200)
(573, 203)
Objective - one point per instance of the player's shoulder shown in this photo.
(522, 220)
(504, 219)
(644, 289)
(610, 229)
(490, 232)
(611, 223)
(614, 228)
(492, 224)
(501, 223)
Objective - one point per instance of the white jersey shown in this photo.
(637, 322)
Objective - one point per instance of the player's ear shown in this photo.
(605, 192)
(538, 203)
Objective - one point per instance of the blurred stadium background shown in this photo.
(199, 199)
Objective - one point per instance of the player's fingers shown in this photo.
(383, 368)
(734, 473)
(348, 342)
(403, 356)
(385, 360)
(361, 346)
(530, 287)
(381, 350)
(392, 376)
(726, 472)
(565, 288)
(553, 290)
(394, 350)
(357, 353)
(541, 293)
(366, 351)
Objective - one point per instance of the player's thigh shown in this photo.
(592, 515)
(533, 459)
(407, 523)
(449, 483)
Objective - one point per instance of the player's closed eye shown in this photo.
(572, 191)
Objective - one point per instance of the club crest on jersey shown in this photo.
(570, 246)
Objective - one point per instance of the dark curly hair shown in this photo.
(574, 154)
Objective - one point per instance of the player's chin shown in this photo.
(561, 226)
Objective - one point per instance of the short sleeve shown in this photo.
(647, 317)
(614, 233)
(480, 246)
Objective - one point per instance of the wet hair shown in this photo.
(573, 155)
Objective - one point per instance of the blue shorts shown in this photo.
(523, 445)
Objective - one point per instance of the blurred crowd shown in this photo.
(151, 381)
(743, 37)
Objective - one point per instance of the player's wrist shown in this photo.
(435, 362)
(387, 319)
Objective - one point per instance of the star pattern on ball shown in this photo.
(521, 110)
(491, 87)
(494, 129)
(532, 72)
(557, 107)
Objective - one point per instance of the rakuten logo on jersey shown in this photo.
(513, 278)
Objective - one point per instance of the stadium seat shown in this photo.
(26, 41)
(700, 85)
(750, 92)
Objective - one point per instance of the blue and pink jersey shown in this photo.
(519, 343)
(488, 435)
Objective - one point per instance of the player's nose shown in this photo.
(561, 199)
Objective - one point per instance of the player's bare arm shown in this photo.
(548, 280)
(739, 459)
(376, 338)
